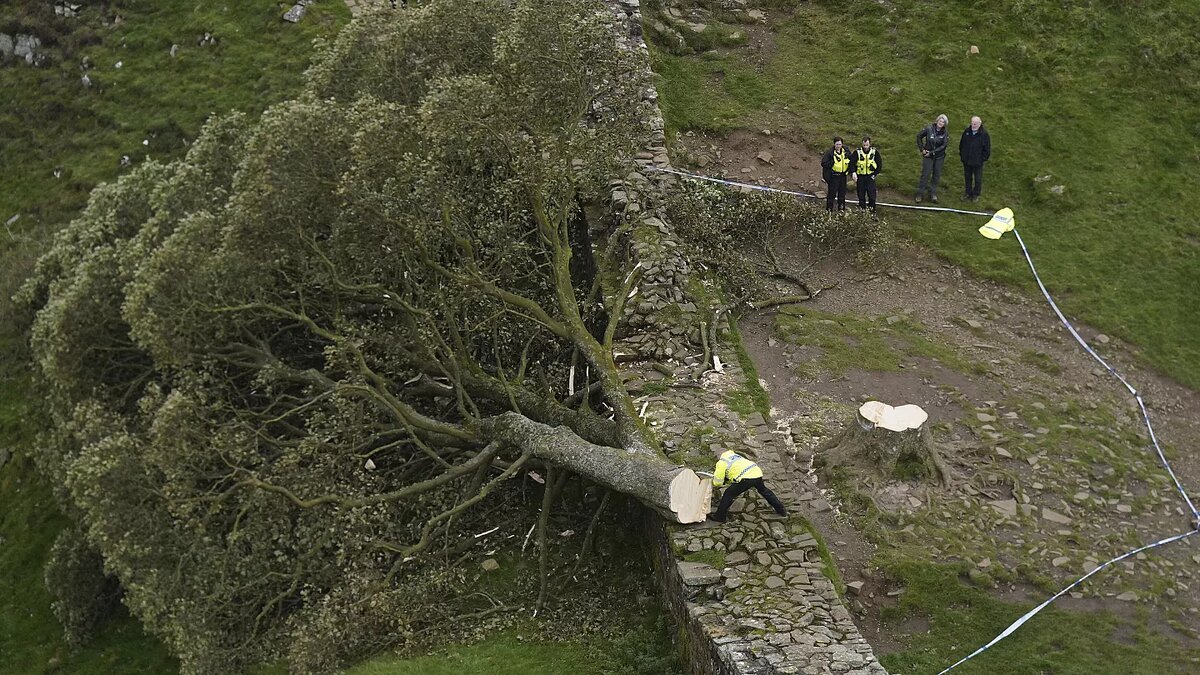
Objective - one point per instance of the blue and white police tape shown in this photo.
(806, 195)
(1079, 339)
(1030, 614)
(1088, 348)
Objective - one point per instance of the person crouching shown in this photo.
(741, 474)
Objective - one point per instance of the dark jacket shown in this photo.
(878, 161)
(827, 164)
(975, 148)
(933, 140)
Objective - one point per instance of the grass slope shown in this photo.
(49, 121)
(962, 617)
(1101, 96)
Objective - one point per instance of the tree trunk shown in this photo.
(674, 491)
(880, 436)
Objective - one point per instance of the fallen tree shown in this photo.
(282, 368)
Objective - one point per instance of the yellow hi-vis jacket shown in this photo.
(734, 467)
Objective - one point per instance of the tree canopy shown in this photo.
(280, 368)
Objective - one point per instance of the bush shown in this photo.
(84, 596)
(749, 237)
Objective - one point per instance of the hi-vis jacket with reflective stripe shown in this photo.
(734, 467)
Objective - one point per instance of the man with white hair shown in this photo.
(932, 141)
(974, 148)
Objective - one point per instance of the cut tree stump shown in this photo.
(881, 436)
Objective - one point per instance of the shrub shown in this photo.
(84, 596)
(749, 237)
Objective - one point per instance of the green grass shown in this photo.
(752, 397)
(30, 637)
(962, 617)
(713, 558)
(1101, 96)
(512, 654)
(50, 122)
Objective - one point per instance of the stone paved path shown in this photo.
(769, 607)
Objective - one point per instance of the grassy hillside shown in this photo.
(50, 122)
(1101, 96)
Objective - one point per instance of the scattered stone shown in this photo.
(698, 574)
(765, 157)
(1124, 508)
(1057, 189)
(1128, 596)
(1102, 339)
(1005, 507)
(1060, 561)
(1055, 517)
(984, 417)
(973, 50)
(820, 505)
(1001, 452)
(490, 565)
(893, 320)
(854, 587)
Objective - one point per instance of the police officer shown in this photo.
(743, 474)
(867, 163)
(835, 166)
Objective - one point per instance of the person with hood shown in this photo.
(974, 148)
(741, 474)
(866, 163)
(932, 141)
(835, 166)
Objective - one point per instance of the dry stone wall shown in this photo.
(765, 607)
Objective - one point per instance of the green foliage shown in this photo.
(1118, 247)
(31, 639)
(738, 233)
(223, 341)
(84, 595)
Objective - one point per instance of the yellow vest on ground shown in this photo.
(1000, 223)
(734, 467)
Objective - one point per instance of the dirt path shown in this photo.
(1056, 471)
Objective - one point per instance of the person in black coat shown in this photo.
(974, 148)
(866, 164)
(932, 142)
(835, 166)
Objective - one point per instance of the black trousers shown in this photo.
(836, 189)
(973, 177)
(734, 491)
(866, 191)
